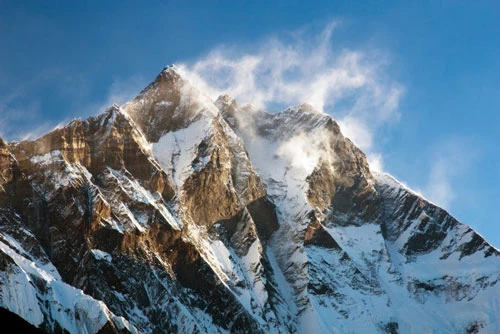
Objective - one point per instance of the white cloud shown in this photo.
(301, 152)
(356, 129)
(306, 67)
(376, 162)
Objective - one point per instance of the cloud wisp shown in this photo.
(306, 67)
(15, 112)
(22, 112)
(121, 91)
(451, 160)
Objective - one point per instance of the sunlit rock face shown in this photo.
(177, 214)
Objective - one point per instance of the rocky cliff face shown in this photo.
(174, 213)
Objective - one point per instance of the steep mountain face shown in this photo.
(174, 213)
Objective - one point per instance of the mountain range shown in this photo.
(173, 213)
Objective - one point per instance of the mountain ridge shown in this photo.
(176, 213)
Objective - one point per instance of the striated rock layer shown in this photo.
(174, 213)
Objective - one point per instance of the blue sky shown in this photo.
(436, 62)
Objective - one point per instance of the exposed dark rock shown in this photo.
(317, 235)
(263, 213)
(17, 324)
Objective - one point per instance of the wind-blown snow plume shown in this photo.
(351, 85)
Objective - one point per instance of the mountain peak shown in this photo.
(225, 100)
(167, 104)
(172, 68)
(170, 72)
(307, 108)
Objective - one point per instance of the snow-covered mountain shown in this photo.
(177, 214)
